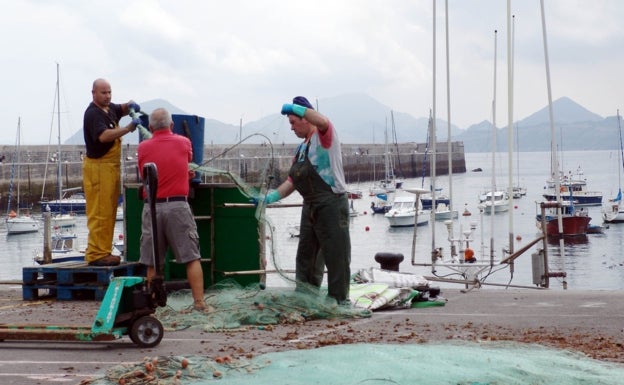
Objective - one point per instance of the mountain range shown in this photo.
(360, 119)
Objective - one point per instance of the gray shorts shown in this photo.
(176, 231)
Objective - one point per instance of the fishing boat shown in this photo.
(15, 222)
(573, 186)
(613, 212)
(574, 221)
(69, 201)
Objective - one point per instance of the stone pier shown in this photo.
(362, 163)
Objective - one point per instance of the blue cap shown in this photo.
(302, 101)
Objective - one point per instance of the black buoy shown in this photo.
(389, 261)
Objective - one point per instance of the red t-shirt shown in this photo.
(171, 153)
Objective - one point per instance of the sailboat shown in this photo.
(427, 200)
(563, 220)
(495, 200)
(16, 223)
(614, 211)
(518, 191)
(388, 182)
(64, 207)
(398, 183)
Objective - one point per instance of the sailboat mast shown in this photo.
(553, 148)
(433, 146)
(510, 85)
(59, 174)
(621, 154)
(15, 152)
(493, 191)
(19, 174)
(448, 113)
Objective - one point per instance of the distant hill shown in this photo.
(577, 127)
(359, 118)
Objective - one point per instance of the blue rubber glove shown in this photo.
(293, 109)
(271, 197)
(134, 106)
(136, 121)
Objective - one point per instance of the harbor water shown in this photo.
(592, 263)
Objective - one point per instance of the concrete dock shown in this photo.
(591, 322)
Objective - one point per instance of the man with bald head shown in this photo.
(101, 169)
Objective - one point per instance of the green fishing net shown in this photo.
(231, 306)
(483, 363)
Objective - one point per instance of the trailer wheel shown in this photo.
(146, 332)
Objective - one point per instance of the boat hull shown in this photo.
(613, 214)
(65, 206)
(406, 221)
(572, 225)
(22, 225)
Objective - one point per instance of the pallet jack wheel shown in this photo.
(146, 332)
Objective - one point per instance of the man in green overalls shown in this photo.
(317, 174)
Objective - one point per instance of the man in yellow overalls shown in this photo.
(101, 170)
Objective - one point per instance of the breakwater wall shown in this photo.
(38, 168)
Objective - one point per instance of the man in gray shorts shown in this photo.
(176, 226)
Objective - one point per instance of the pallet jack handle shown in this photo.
(150, 184)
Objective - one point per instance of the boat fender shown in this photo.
(469, 256)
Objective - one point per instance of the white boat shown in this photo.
(21, 224)
(573, 188)
(518, 192)
(119, 244)
(120, 214)
(62, 221)
(403, 212)
(16, 223)
(352, 211)
(497, 200)
(443, 212)
(63, 243)
(293, 230)
(613, 212)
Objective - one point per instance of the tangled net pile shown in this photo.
(175, 370)
(231, 306)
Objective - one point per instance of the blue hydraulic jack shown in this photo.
(127, 307)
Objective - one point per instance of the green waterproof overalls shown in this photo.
(324, 231)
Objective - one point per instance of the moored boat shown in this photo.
(403, 212)
(497, 200)
(574, 221)
(573, 188)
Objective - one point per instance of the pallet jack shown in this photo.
(127, 307)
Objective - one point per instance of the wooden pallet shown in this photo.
(73, 280)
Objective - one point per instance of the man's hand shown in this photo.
(133, 106)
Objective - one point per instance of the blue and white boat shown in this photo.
(574, 188)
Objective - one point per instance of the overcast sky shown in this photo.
(236, 59)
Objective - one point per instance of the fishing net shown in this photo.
(231, 306)
(485, 363)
